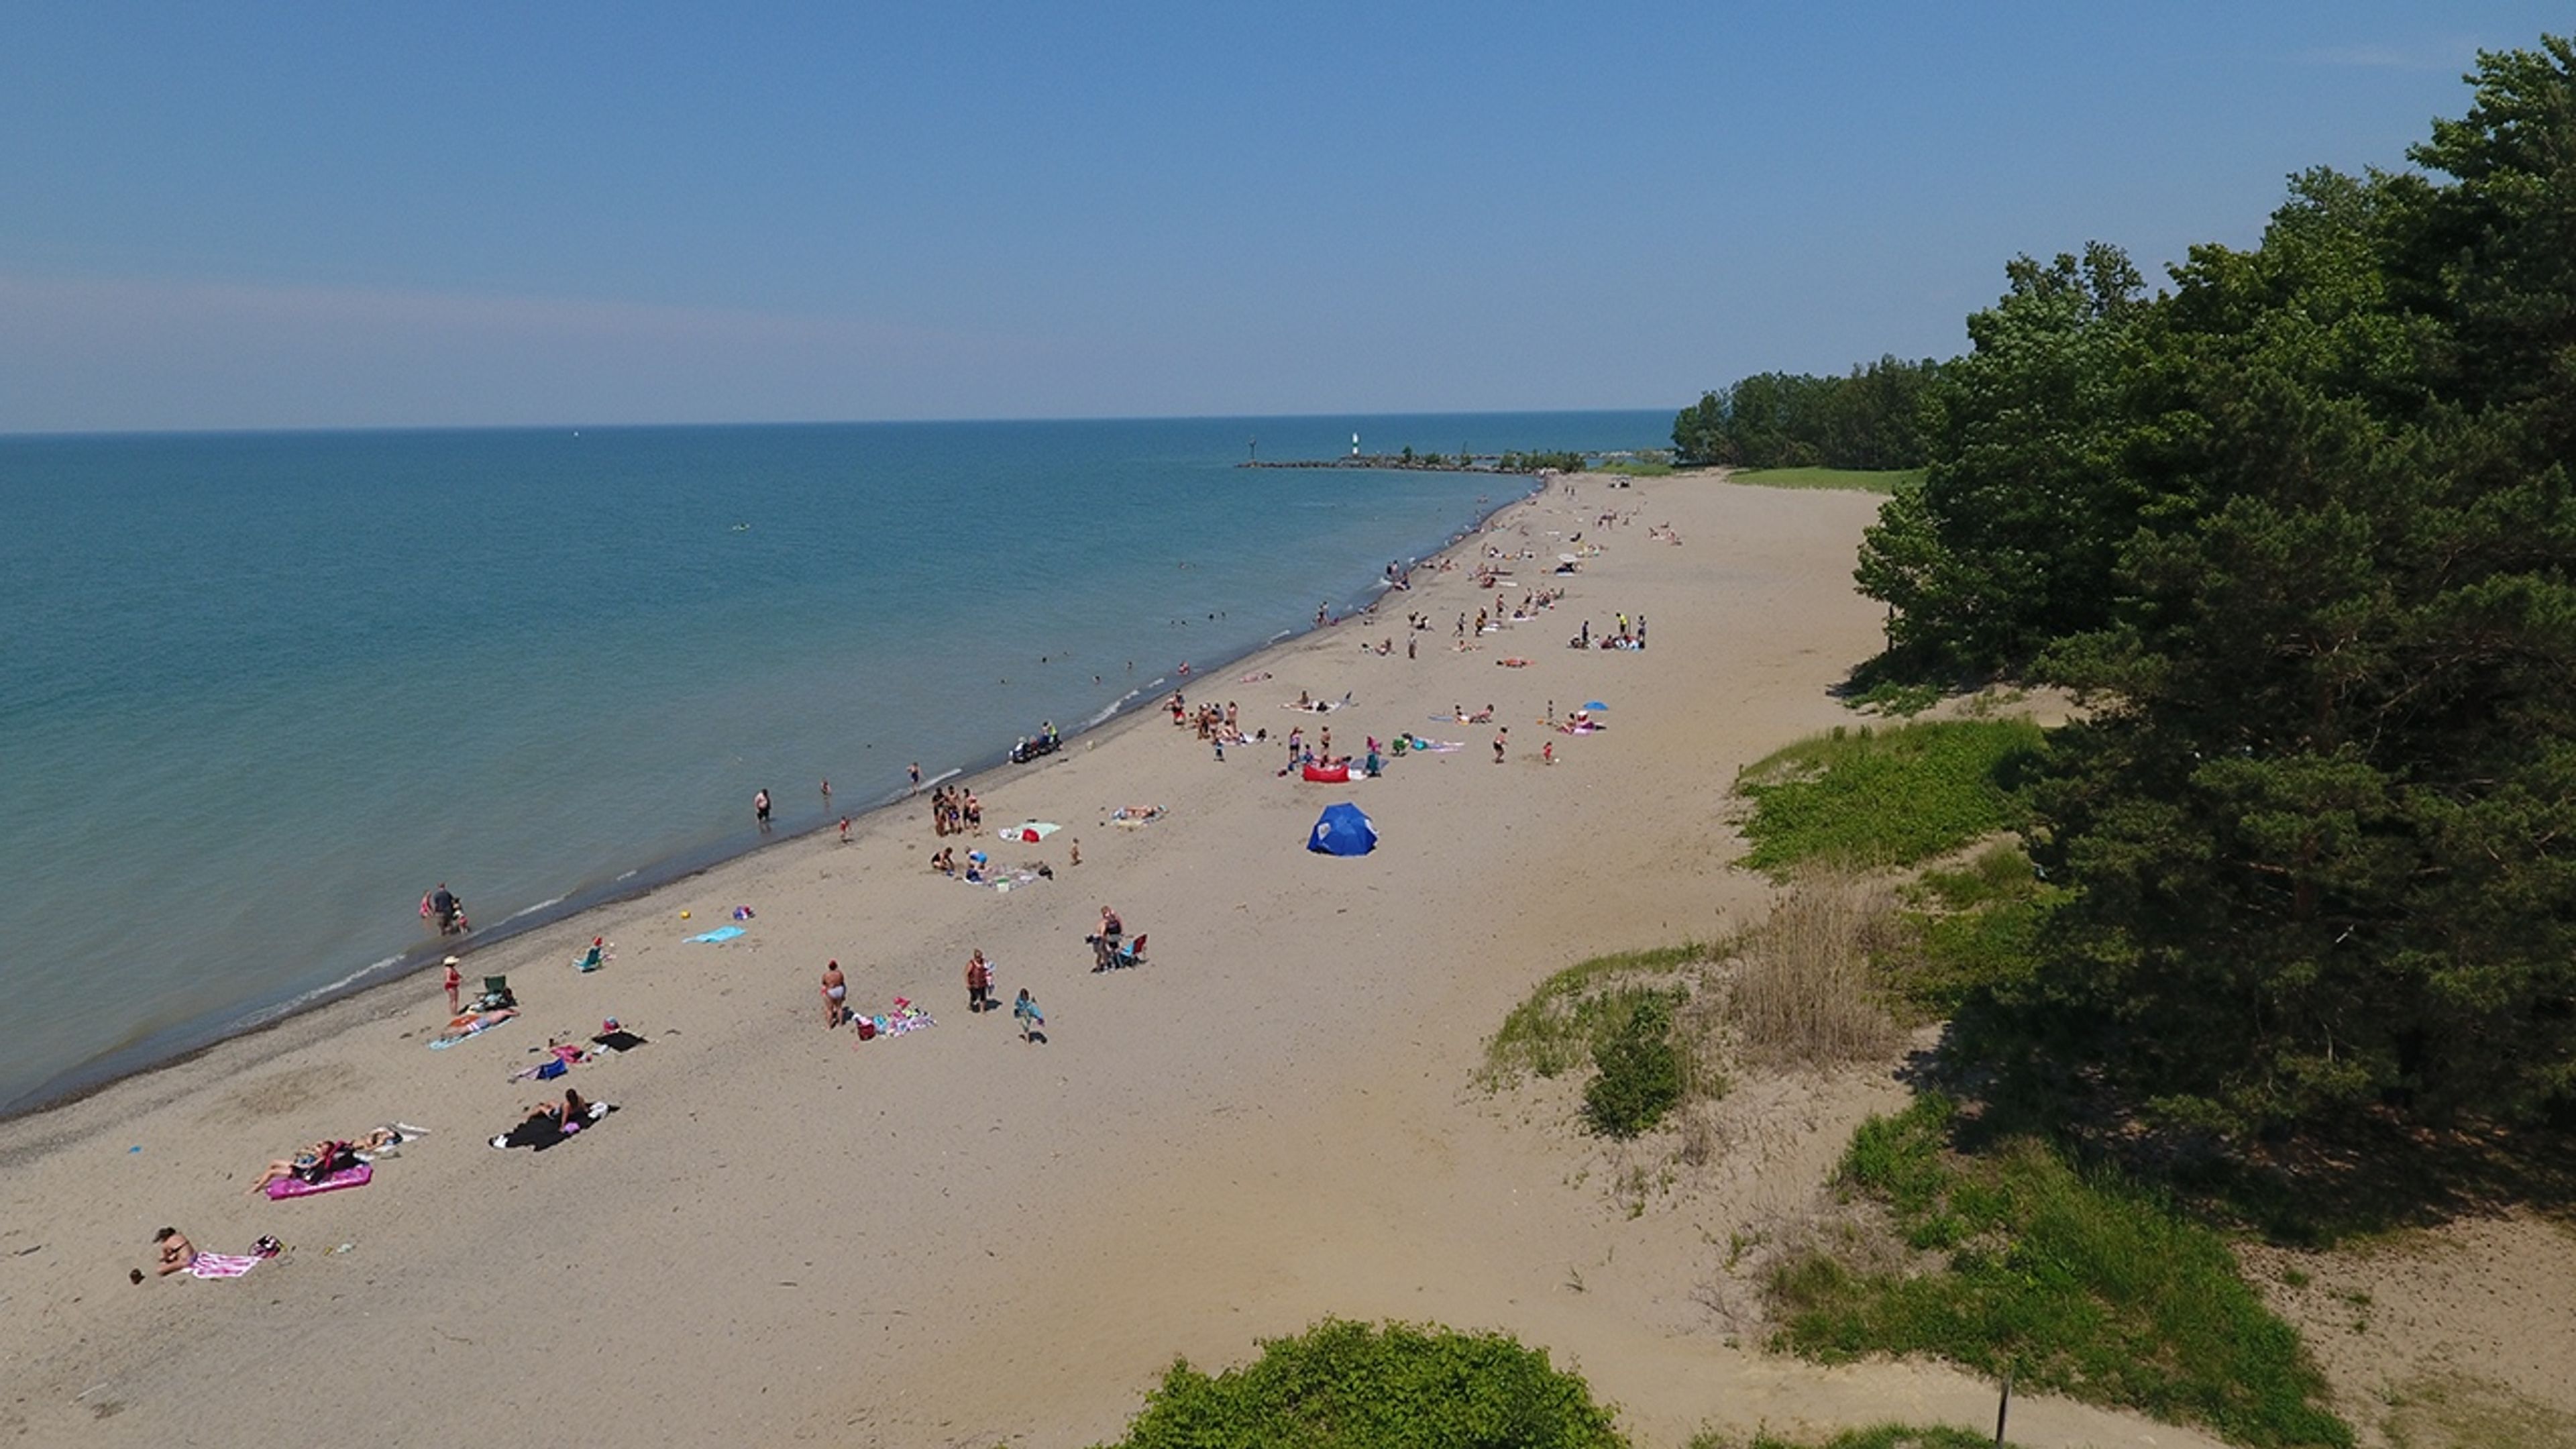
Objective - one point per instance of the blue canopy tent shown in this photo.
(1343, 830)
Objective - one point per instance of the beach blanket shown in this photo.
(719, 935)
(1028, 832)
(286, 1187)
(1130, 815)
(540, 1133)
(221, 1265)
(474, 1025)
(619, 1041)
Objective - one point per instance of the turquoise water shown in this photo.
(259, 692)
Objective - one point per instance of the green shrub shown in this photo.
(2082, 1282)
(1573, 1011)
(1866, 799)
(1344, 1385)
(1640, 1072)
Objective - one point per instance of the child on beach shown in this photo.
(1032, 1021)
(845, 830)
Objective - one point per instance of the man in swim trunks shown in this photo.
(835, 992)
(760, 808)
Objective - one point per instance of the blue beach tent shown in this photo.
(1343, 830)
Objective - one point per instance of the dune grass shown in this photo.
(1866, 798)
(1849, 480)
(2082, 1283)
(1578, 1009)
(1973, 926)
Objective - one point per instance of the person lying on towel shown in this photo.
(312, 1165)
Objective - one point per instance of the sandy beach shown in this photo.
(952, 1237)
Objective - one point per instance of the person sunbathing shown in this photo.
(176, 1252)
(311, 1165)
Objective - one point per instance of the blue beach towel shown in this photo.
(720, 933)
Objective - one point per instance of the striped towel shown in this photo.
(220, 1265)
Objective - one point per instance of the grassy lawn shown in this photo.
(1867, 799)
(2082, 1283)
(1850, 480)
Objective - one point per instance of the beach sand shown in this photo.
(951, 1237)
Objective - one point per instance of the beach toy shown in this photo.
(684, 915)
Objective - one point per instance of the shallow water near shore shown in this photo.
(259, 692)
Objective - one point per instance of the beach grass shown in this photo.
(1636, 467)
(1972, 926)
(1848, 480)
(1876, 1436)
(1575, 1011)
(1863, 799)
(2079, 1282)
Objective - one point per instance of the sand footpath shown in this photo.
(951, 1237)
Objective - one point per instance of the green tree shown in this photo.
(2321, 832)
(2012, 537)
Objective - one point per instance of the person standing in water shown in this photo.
(760, 809)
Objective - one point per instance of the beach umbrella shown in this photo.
(1343, 829)
(1594, 705)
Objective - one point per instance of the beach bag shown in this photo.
(867, 1029)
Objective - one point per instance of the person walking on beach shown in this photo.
(836, 991)
(760, 809)
(979, 983)
(1502, 737)
(1032, 1021)
(454, 981)
(845, 830)
(916, 774)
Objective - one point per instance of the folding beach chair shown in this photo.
(496, 994)
(589, 960)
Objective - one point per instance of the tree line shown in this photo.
(1870, 419)
(2299, 527)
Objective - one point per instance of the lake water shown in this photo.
(258, 692)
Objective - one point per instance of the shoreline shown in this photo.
(189, 1040)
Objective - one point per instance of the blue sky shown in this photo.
(362, 215)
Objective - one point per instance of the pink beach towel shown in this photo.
(286, 1187)
(220, 1265)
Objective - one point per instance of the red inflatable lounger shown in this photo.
(286, 1187)
(1337, 775)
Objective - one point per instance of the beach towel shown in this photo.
(481, 1022)
(220, 1265)
(286, 1187)
(619, 1041)
(719, 935)
(540, 1133)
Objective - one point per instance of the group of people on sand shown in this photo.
(979, 998)
(1628, 635)
(955, 811)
